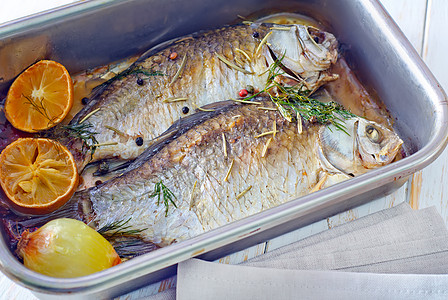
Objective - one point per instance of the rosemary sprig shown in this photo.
(40, 108)
(165, 194)
(294, 101)
(148, 73)
(136, 70)
(316, 111)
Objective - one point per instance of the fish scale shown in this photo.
(144, 110)
(216, 203)
(192, 151)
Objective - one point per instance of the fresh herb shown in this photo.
(294, 101)
(82, 132)
(314, 110)
(120, 227)
(38, 105)
(165, 194)
(145, 72)
(135, 70)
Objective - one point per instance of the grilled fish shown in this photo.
(215, 167)
(172, 79)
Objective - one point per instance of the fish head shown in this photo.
(304, 51)
(361, 146)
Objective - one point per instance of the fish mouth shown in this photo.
(305, 65)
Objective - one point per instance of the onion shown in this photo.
(66, 248)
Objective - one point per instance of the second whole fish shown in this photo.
(223, 165)
(171, 80)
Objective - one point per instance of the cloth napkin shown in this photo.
(397, 253)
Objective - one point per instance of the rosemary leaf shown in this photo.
(119, 227)
(293, 102)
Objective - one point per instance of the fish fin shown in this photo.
(75, 208)
(128, 246)
(180, 127)
(320, 183)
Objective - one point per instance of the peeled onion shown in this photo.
(66, 248)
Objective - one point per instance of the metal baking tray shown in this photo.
(92, 33)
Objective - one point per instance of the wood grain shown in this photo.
(410, 17)
(430, 185)
(423, 22)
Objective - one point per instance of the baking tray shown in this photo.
(88, 34)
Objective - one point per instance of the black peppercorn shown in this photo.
(98, 182)
(255, 34)
(185, 110)
(139, 141)
(85, 100)
(140, 81)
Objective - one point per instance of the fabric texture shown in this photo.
(397, 253)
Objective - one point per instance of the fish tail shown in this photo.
(15, 224)
(129, 246)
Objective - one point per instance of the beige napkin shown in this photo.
(338, 263)
(205, 280)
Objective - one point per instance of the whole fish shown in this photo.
(215, 167)
(171, 80)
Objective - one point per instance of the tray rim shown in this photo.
(184, 250)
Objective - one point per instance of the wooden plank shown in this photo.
(436, 40)
(11, 10)
(429, 187)
(10, 290)
(410, 17)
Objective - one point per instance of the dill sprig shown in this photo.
(293, 100)
(165, 194)
(118, 228)
(83, 132)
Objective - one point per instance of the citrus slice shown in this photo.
(40, 97)
(37, 175)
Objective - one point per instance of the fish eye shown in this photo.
(316, 35)
(373, 134)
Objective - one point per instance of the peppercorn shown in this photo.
(98, 182)
(250, 89)
(173, 55)
(85, 100)
(140, 81)
(243, 93)
(185, 110)
(139, 141)
(255, 34)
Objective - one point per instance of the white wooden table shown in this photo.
(424, 23)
